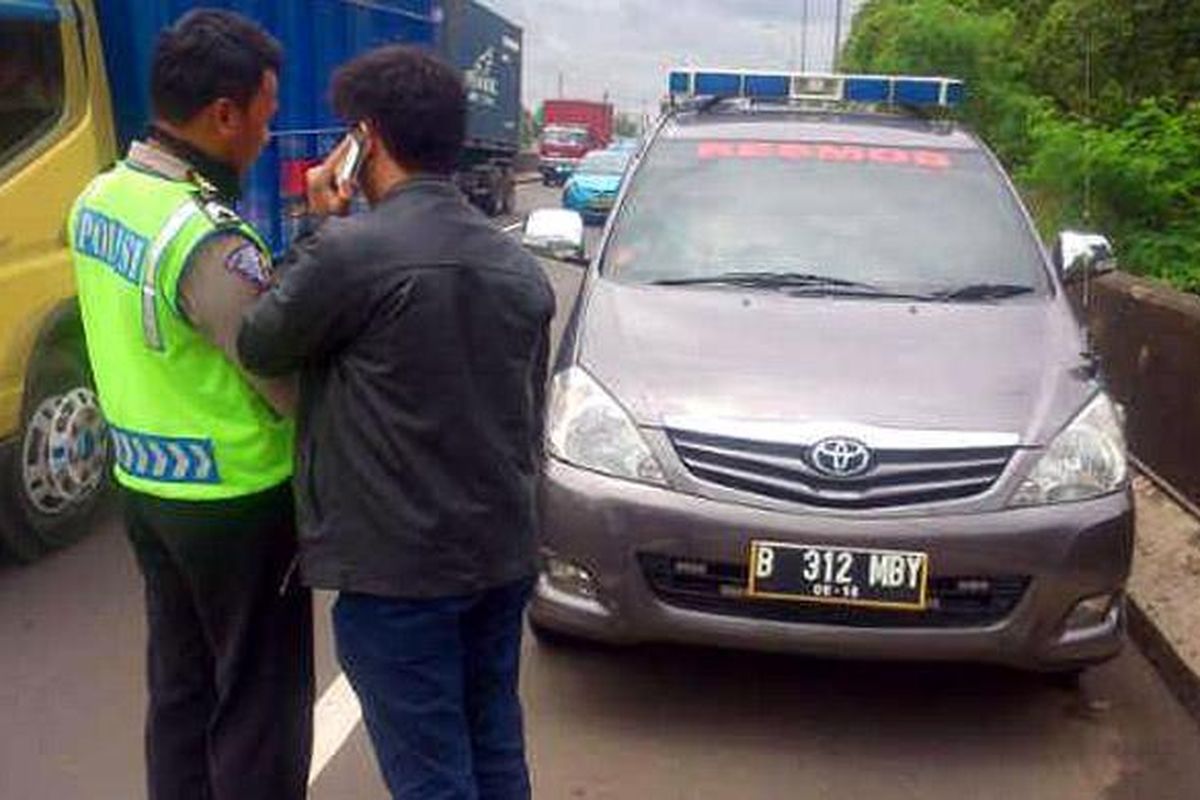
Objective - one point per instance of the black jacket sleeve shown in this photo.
(311, 311)
(540, 377)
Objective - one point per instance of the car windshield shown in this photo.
(828, 217)
(564, 136)
(608, 163)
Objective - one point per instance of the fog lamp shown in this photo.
(569, 577)
(1091, 612)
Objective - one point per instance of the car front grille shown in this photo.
(720, 588)
(786, 472)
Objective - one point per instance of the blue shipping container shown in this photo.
(488, 50)
(317, 36)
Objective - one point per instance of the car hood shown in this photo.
(673, 354)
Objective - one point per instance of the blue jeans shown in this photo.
(437, 680)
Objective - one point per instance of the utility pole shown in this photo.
(560, 85)
(804, 38)
(837, 36)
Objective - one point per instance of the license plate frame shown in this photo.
(790, 561)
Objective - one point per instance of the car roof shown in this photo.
(827, 126)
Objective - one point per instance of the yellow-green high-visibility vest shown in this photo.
(184, 422)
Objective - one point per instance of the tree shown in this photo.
(1071, 94)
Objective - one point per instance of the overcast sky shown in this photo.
(627, 46)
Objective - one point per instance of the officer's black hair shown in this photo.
(209, 54)
(413, 100)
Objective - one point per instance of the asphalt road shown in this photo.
(661, 723)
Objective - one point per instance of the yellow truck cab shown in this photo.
(56, 133)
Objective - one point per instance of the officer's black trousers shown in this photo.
(230, 654)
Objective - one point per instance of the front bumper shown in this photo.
(627, 536)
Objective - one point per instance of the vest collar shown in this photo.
(175, 159)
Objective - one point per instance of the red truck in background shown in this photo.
(570, 130)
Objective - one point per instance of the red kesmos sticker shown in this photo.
(833, 153)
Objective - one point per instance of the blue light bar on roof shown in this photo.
(903, 90)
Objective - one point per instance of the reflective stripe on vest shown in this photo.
(151, 331)
(171, 459)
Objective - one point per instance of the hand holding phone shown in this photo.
(332, 183)
(351, 164)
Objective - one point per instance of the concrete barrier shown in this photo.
(1148, 337)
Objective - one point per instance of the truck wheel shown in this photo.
(509, 204)
(53, 480)
(495, 198)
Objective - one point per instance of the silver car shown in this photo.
(823, 391)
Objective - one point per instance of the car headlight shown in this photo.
(1087, 459)
(586, 427)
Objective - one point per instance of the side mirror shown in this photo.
(1077, 254)
(555, 233)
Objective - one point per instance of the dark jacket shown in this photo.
(420, 334)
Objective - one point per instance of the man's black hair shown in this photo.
(209, 54)
(414, 101)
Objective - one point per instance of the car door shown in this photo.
(55, 135)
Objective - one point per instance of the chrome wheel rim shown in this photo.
(65, 451)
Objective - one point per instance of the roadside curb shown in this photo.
(1183, 682)
(1162, 616)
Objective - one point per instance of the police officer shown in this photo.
(203, 452)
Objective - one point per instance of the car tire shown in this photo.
(56, 475)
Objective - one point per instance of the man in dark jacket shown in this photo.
(420, 335)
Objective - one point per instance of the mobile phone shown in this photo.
(356, 150)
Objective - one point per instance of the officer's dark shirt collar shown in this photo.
(222, 176)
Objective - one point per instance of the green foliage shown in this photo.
(1145, 184)
(1137, 49)
(1119, 153)
(955, 38)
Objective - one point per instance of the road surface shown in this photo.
(661, 723)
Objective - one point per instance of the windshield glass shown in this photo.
(564, 136)
(896, 218)
(608, 163)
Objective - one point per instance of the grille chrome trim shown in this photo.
(876, 438)
(898, 477)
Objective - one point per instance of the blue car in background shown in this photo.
(592, 190)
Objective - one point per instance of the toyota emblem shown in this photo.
(840, 458)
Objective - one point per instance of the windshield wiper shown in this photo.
(982, 291)
(765, 280)
(795, 282)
